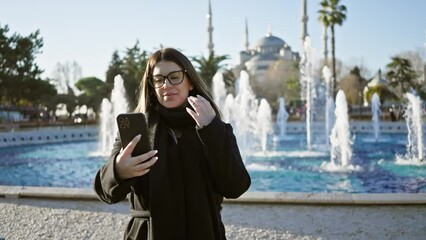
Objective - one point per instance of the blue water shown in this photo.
(298, 170)
(286, 167)
(53, 165)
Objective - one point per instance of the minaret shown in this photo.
(210, 30)
(324, 46)
(304, 22)
(246, 44)
(424, 66)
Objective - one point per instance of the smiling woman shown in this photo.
(172, 88)
(176, 189)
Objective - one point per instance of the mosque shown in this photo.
(265, 52)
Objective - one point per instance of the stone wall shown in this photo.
(68, 134)
(47, 135)
(355, 127)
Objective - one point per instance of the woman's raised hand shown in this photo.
(128, 166)
(203, 112)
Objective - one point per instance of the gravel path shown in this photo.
(53, 219)
(59, 219)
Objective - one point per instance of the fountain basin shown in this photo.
(287, 166)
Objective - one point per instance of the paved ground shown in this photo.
(55, 219)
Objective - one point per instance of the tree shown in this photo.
(69, 100)
(93, 91)
(114, 69)
(229, 79)
(133, 68)
(41, 93)
(331, 14)
(207, 67)
(281, 80)
(19, 73)
(417, 60)
(66, 75)
(401, 76)
(353, 86)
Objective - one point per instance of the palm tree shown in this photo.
(331, 14)
(207, 67)
(401, 75)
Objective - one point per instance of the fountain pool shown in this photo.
(287, 166)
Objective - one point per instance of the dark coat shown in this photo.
(222, 167)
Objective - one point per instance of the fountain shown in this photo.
(281, 121)
(318, 103)
(264, 123)
(341, 149)
(329, 105)
(375, 110)
(109, 111)
(413, 118)
(244, 113)
(106, 139)
(219, 90)
(307, 82)
(227, 108)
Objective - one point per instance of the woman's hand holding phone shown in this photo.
(128, 166)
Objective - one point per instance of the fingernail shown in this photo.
(156, 151)
(138, 136)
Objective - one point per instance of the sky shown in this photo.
(89, 31)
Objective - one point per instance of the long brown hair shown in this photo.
(147, 99)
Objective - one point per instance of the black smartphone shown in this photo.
(129, 126)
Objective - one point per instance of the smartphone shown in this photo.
(129, 126)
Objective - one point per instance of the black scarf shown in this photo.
(179, 199)
(176, 118)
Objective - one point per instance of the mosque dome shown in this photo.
(270, 41)
(269, 44)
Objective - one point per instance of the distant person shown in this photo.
(176, 190)
(392, 114)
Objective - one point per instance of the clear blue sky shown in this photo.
(88, 31)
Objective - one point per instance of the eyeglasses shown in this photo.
(175, 78)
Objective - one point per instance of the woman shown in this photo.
(177, 189)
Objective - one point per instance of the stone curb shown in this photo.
(247, 198)
(47, 192)
(332, 198)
